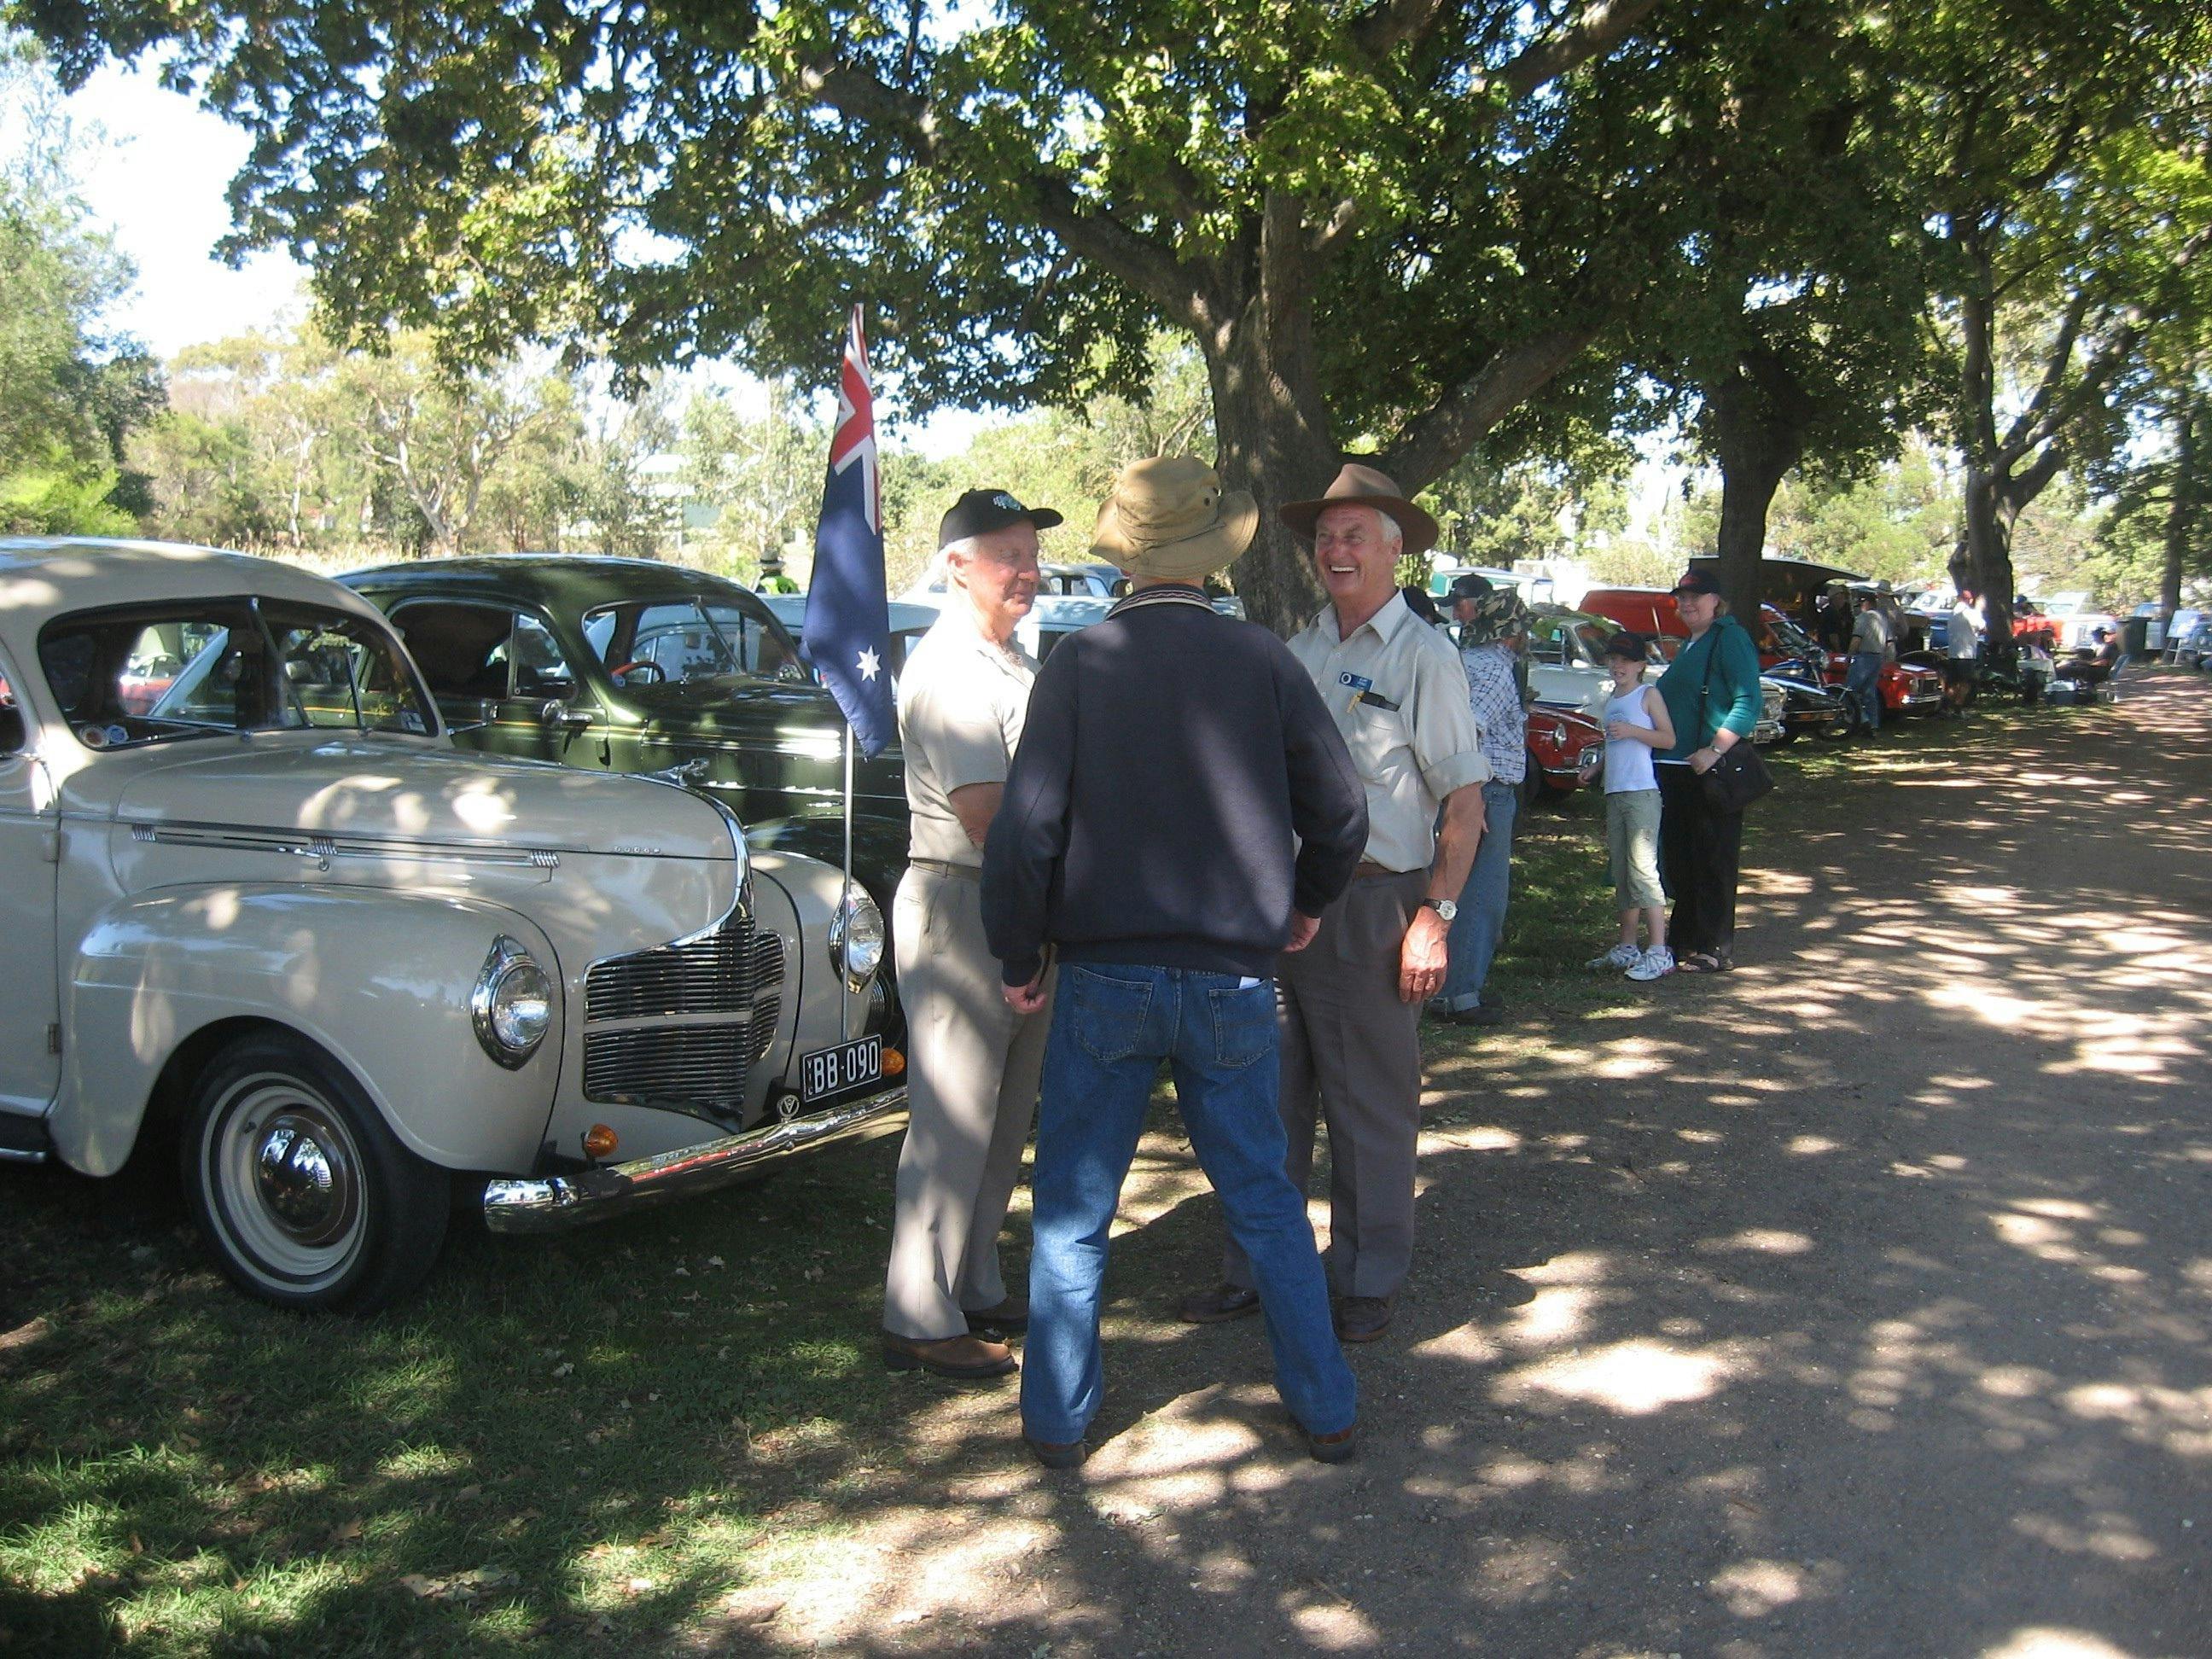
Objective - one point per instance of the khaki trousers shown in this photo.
(1351, 1059)
(972, 1070)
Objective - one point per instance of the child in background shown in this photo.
(1636, 728)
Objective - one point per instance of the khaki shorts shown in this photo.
(1632, 841)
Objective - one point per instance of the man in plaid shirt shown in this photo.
(1491, 624)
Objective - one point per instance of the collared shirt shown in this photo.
(1870, 634)
(961, 698)
(1411, 755)
(1493, 691)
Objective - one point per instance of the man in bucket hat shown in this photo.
(973, 1078)
(1351, 1002)
(1181, 809)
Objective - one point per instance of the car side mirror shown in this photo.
(792, 673)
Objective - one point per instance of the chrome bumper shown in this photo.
(554, 1203)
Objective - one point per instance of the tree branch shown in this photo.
(2054, 372)
(1602, 28)
(1433, 440)
(1098, 237)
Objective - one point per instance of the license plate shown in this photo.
(831, 1071)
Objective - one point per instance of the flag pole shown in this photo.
(844, 991)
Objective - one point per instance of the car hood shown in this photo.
(413, 792)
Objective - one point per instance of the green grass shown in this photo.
(561, 1445)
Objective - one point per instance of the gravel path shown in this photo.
(1853, 1304)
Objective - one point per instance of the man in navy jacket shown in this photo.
(1181, 810)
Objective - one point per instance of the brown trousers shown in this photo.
(1351, 1059)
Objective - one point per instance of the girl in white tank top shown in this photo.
(1627, 760)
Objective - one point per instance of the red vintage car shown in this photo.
(1906, 688)
(1562, 745)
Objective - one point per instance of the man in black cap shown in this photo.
(973, 1061)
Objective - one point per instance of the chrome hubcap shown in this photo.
(286, 1179)
(302, 1180)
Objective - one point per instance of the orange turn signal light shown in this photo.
(600, 1141)
(894, 1063)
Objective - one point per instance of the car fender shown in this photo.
(380, 981)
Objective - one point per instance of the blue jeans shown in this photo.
(1474, 934)
(1112, 1025)
(1862, 686)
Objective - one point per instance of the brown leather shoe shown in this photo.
(1362, 1318)
(1218, 1305)
(1008, 1317)
(966, 1358)
(1058, 1455)
(1333, 1448)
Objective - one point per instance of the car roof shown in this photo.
(589, 575)
(42, 576)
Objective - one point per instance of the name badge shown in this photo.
(1357, 682)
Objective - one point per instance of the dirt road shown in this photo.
(1854, 1304)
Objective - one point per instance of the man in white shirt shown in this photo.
(1962, 650)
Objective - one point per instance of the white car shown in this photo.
(259, 902)
(909, 623)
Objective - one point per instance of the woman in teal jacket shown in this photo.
(1712, 695)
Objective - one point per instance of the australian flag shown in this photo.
(848, 631)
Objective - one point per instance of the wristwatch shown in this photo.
(1448, 909)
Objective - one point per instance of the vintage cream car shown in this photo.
(257, 902)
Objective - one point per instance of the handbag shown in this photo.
(1740, 776)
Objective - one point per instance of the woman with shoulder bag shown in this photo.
(1711, 692)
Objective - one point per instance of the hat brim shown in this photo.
(1418, 529)
(1038, 518)
(1237, 517)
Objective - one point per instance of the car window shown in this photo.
(674, 641)
(151, 673)
(12, 732)
(465, 650)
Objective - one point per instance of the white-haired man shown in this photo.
(972, 1082)
(1350, 1002)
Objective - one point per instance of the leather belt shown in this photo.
(1370, 871)
(941, 867)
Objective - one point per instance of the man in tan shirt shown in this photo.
(1350, 1002)
(972, 1082)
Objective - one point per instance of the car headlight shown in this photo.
(856, 939)
(512, 1005)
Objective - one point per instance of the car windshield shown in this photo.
(1789, 638)
(679, 642)
(147, 673)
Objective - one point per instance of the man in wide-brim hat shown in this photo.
(1351, 1002)
(1181, 810)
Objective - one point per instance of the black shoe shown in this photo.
(1218, 1305)
(1483, 1013)
(1009, 1318)
(1362, 1318)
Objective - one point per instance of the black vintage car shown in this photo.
(633, 665)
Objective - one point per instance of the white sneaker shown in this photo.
(1653, 964)
(1621, 956)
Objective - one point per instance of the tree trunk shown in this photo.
(1270, 422)
(2181, 515)
(1759, 417)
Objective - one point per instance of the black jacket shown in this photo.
(1180, 788)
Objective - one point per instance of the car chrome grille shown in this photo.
(651, 1035)
(720, 974)
(702, 1068)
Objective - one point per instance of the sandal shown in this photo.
(1702, 962)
